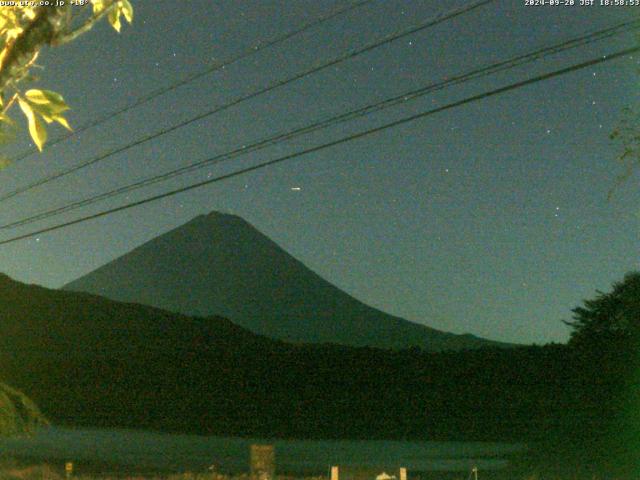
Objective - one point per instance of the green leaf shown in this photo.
(4, 162)
(45, 110)
(47, 118)
(43, 96)
(36, 96)
(114, 18)
(98, 6)
(127, 10)
(36, 127)
(52, 100)
(63, 121)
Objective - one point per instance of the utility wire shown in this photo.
(365, 133)
(261, 45)
(347, 56)
(360, 112)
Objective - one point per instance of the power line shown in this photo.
(190, 78)
(365, 133)
(360, 112)
(349, 55)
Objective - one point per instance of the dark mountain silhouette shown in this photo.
(219, 264)
(90, 361)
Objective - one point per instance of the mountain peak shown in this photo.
(217, 218)
(218, 215)
(219, 264)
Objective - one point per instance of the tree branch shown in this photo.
(20, 53)
(65, 37)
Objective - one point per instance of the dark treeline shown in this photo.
(89, 361)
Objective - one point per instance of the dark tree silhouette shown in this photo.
(611, 320)
(606, 342)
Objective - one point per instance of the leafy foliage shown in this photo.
(628, 135)
(606, 340)
(24, 31)
(18, 414)
(611, 319)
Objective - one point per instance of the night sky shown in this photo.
(491, 218)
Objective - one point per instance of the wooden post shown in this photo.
(68, 469)
(334, 473)
(263, 462)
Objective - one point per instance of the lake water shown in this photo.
(149, 451)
